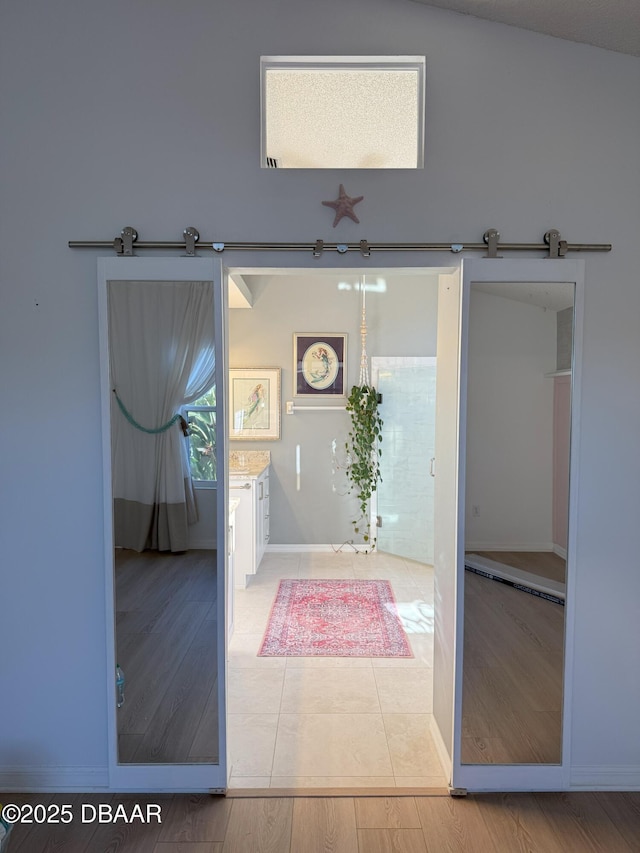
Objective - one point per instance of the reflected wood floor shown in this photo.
(512, 688)
(166, 645)
(487, 823)
(543, 563)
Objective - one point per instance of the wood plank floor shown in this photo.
(543, 563)
(513, 664)
(166, 645)
(488, 823)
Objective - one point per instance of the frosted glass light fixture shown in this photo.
(342, 112)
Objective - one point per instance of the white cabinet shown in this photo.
(252, 523)
(262, 514)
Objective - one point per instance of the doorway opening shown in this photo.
(362, 720)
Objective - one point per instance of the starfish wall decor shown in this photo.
(343, 206)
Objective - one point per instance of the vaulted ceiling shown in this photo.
(612, 24)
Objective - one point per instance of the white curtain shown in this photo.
(161, 343)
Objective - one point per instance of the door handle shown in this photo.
(432, 466)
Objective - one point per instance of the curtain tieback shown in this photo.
(135, 423)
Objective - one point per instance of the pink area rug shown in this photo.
(350, 618)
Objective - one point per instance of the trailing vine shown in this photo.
(363, 455)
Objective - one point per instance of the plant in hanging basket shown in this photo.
(363, 455)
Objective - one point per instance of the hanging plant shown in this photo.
(363, 455)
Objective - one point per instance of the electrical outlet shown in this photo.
(475, 510)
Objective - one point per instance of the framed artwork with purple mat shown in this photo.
(319, 365)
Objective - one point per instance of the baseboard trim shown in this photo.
(202, 544)
(49, 778)
(500, 546)
(603, 778)
(560, 552)
(314, 549)
(441, 749)
(536, 584)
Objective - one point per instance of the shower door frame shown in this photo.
(378, 363)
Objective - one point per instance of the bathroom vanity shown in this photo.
(249, 485)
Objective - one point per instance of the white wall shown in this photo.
(509, 466)
(147, 114)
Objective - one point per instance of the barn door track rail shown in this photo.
(553, 245)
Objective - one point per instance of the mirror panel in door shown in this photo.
(162, 359)
(517, 506)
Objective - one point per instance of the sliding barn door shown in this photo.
(165, 609)
(514, 282)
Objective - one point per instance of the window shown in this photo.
(344, 112)
(201, 416)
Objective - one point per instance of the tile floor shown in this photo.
(332, 722)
